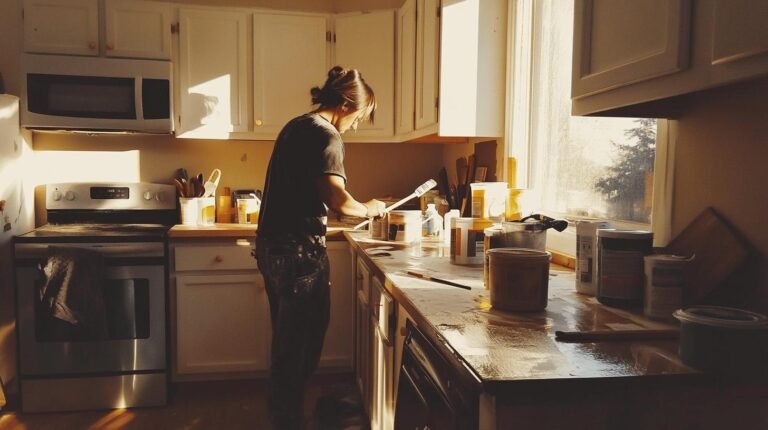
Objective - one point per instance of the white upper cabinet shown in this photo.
(620, 42)
(427, 62)
(739, 39)
(61, 27)
(367, 42)
(133, 28)
(289, 58)
(636, 57)
(473, 67)
(213, 67)
(138, 29)
(405, 73)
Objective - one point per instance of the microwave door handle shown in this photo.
(138, 86)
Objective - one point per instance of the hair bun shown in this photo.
(336, 73)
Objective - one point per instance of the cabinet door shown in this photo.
(621, 42)
(222, 324)
(339, 339)
(138, 29)
(473, 53)
(427, 62)
(213, 73)
(739, 39)
(61, 27)
(289, 58)
(405, 86)
(367, 42)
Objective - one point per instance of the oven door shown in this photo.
(134, 300)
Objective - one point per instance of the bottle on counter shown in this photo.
(432, 222)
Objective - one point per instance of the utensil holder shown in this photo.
(198, 210)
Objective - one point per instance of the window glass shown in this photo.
(581, 166)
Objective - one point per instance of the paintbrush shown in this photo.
(418, 192)
(438, 280)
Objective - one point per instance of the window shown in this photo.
(571, 166)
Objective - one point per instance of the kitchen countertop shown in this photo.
(221, 230)
(502, 349)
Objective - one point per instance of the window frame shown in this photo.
(520, 40)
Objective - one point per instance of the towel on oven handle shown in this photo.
(71, 296)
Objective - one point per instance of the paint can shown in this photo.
(467, 240)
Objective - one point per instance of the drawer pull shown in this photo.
(218, 259)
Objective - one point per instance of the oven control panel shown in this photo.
(110, 196)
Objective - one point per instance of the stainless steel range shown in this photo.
(121, 359)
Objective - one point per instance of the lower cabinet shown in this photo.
(222, 323)
(219, 310)
(338, 348)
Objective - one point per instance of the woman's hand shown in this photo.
(375, 208)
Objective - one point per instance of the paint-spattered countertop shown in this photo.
(503, 348)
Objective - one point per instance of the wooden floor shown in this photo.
(225, 405)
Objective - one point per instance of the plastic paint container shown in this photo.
(467, 240)
(620, 266)
(723, 340)
(586, 250)
(489, 200)
(519, 279)
(665, 279)
(404, 226)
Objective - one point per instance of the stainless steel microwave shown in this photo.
(96, 94)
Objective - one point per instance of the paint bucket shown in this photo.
(518, 279)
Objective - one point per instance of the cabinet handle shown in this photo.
(110, 47)
(218, 259)
(91, 45)
(259, 123)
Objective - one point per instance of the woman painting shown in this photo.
(305, 177)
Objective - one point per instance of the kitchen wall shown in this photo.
(721, 160)
(373, 170)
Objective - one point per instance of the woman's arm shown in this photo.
(335, 196)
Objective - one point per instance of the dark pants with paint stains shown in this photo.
(297, 277)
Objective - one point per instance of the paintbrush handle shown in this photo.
(598, 335)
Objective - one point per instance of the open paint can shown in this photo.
(518, 279)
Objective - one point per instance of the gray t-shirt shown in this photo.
(307, 147)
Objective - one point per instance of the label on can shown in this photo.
(621, 274)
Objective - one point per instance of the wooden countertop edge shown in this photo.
(180, 231)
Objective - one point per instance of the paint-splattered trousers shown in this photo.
(297, 277)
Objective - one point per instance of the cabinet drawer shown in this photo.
(215, 257)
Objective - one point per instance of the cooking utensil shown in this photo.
(719, 251)
(598, 335)
(418, 192)
(179, 187)
(211, 184)
(442, 185)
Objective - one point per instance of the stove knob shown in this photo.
(147, 195)
(57, 195)
(69, 195)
